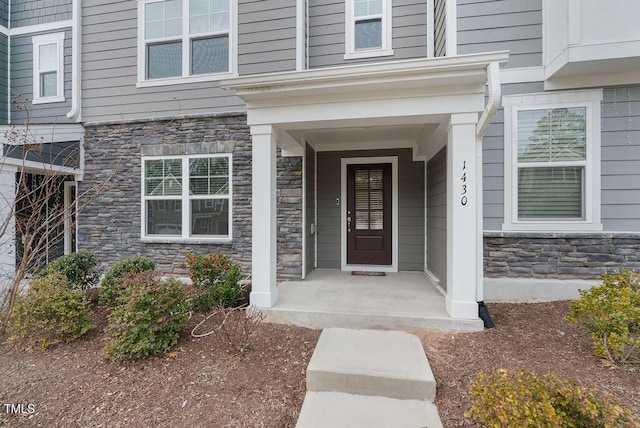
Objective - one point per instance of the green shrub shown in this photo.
(79, 268)
(148, 318)
(50, 311)
(111, 286)
(611, 312)
(526, 399)
(215, 280)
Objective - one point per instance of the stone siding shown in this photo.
(559, 255)
(289, 197)
(110, 224)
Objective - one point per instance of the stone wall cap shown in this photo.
(242, 113)
(571, 235)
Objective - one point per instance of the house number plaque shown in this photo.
(463, 179)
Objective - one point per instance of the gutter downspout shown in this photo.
(494, 89)
(76, 63)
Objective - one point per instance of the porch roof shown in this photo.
(461, 70)
(339, 102)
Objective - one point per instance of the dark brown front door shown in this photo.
(369, 214)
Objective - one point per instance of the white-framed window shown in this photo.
(185, 40)
(48, 68)
(552, 161)
(187, 197)
(368, 28)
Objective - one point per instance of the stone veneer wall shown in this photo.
(109, 225)
(559, 255)
(289, 197)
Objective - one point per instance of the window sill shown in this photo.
(48, 100)
(554, 226)
(195, 241)
(368, 54)
(182, 80)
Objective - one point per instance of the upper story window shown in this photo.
(552, 161)
(185, 40)
(48, 68)
(187, 197)
(368, 28)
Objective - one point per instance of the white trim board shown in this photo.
(40, 28)
(393, 160)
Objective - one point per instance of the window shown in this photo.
(182, 40)
(48, 68)
(552, 161)
(368, 28)
(186, 197)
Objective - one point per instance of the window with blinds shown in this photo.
(187, 197)
(551, 163)
(369, 202)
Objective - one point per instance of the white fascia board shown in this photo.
(43, 133)
(41, 28)
(377, 73)
(40, 166)
(398, 110)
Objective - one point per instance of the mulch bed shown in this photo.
(203, 383)
(531, 336)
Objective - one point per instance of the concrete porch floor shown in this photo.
(397, 301)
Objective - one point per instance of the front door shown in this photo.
(369, 214)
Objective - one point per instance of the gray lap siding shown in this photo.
(109, 224)
(410, 207)
(571, 255)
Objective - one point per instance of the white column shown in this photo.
(7, 226)
(264, 292)
(479, 223)
(461, 216)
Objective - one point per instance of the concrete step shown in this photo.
(389, 364)
(317, 318)
(340, 410)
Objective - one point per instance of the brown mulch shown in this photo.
(203, 383)
(532, 336)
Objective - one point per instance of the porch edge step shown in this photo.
(318, 319)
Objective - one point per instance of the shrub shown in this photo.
(526, 399)
(79, 268)
(611, 312)
(148, 318)
(111, 286)
(215, 280)
(234, 326)
(50, 311)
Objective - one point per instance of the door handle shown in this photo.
(348, 223)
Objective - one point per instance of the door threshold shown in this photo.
(370, 268)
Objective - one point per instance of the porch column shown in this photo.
(461, 216)
(7, 225)
(264, 292)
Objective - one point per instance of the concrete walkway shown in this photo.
(397, 301)
(369, 379)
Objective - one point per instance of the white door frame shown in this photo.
(393, 160)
